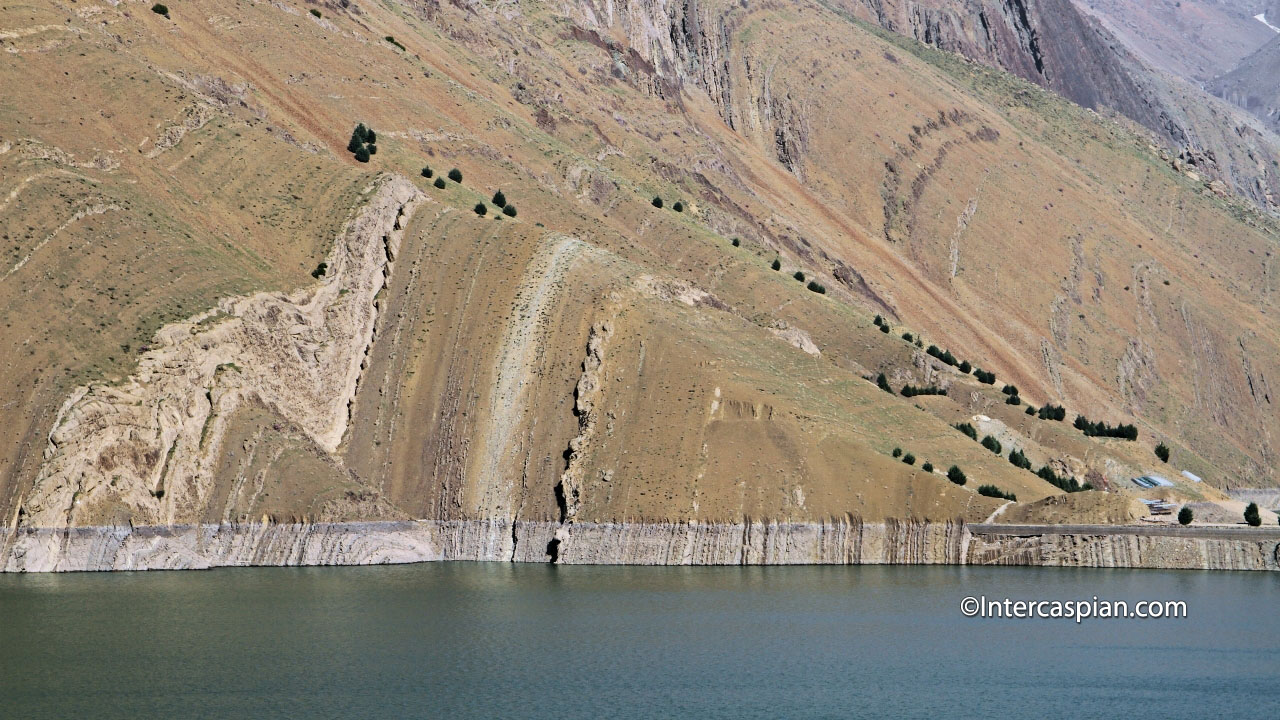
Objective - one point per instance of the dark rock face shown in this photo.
(1047, 42)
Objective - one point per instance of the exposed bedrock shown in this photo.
(840, 542)
(148, 445)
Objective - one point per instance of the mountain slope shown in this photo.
(594, 357)
(1055, 45)
(1253, 86)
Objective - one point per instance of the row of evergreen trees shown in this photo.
(1101, 429)
(995, 492)
(912, 390)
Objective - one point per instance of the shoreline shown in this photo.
(832, 542)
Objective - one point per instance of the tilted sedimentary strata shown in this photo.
(148, 443)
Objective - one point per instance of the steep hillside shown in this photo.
(214, 312)
(1255, 84)
(1055, 45)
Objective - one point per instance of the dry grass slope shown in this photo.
(165, 164)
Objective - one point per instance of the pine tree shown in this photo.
(499, 199)
(657, 201)
(455, 175)
(883, 383)
(509, 210)
(1185, 516)
(1252, 516)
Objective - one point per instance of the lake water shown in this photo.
(496, 640)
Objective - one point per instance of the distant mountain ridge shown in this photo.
(1255, 83)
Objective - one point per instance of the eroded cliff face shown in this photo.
(146, 449)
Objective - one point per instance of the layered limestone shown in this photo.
(148, 445)
(838, 542)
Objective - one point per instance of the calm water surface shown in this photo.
(495, 640)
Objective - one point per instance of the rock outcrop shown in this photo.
(148, 445)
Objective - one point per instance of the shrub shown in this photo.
(956, 475)
(907, 336)
(984, 377)
(316, 12)
(480, 209)
(1031, 410)
(373, 149)
(897, 452)
(455, 175)
(439, 183)
(967, 429)
(817, 287)
(736, 242)
(1185, 516)
(678, 206)
(909, 459)
(992, 444)
(1018, 459)
(391, 39)
(320, 270)
(995, 492)
(160, 9)
(427, 172)
(1010, 390)
(1052, 412)
(883, 383)
(1252, 516)
(912, 390)
(1013, 400)
(885, 328)
(362, 154)
(799, 276)
(965, 367)
(509, 210)
(657, 201)
(1162, 452)
(777, 264)
(927, 466)
(499, 199)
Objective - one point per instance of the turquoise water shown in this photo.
(496, 640)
